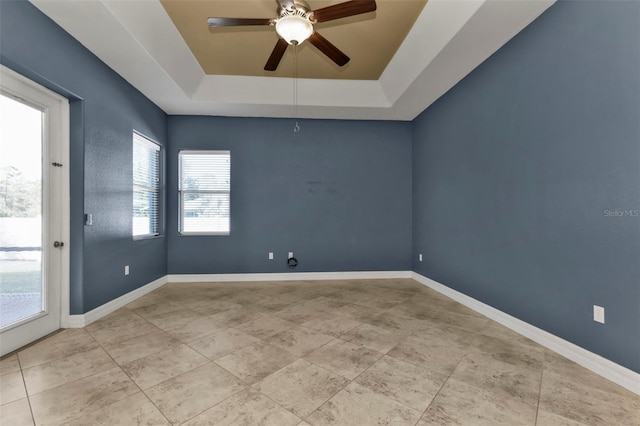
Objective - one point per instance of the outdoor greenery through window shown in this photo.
(146, 187)
(204, 191)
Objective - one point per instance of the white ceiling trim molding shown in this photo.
(138, 40)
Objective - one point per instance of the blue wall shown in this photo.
(515, 168)
(337, 194)
(104, 111)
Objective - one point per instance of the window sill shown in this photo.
(147, 237)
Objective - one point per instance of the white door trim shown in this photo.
(57, 126)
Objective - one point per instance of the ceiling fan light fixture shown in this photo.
(294, 29)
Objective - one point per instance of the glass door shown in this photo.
(30, 219)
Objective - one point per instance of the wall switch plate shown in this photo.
(420, 257)
(598, 314)
(88, 219)
(126, 270)
(290, 255)
(270, 255)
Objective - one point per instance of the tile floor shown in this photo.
(365, 352)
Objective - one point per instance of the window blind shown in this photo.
(146, 187)
(205, 192)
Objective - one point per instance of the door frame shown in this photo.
(57, 128)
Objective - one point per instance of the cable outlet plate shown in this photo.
(598, 314)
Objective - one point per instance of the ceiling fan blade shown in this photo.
(276, 55)
(328, 49)
(233, 22)
(342, 10)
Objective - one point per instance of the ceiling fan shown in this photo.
(294, 25)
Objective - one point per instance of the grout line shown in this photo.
(539, 393)
(441, 387)
(24, 383)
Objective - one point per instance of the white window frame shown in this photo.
(139, 138)
(181, 192)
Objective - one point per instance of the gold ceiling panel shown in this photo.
(370, 40)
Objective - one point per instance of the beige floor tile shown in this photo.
(465, 322)
(356, 405)
(174, 320)
(440, 356)
(199, 327)
(256, 362)
(133, 410)
(207, 306)
(191, 393)
(500, 378)
(560, 365)
(127, 327)
(331, 324)
(301, 387)
(235, 317)
(9, 364)
(357, 312)
(396, 322)
(79, 398)
(161, 366)
(222, 343)
(138, 347)
(11, 387)
(458, 403)
(494, 329)
(344, 358)
(300, 313)
(299, 341)
(162, 306)
(117, 318)
(245, 408)
(269, 305)
(376, 338)
(402, 382)
(326, 304)
(265, 326)
(60, 345)
(348, 296)
(414, 309)
(586, 404)
(16, 413)
(65, 370)
(512, 352)
(380, 303)
(546, 418)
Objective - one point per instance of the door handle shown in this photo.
(58, 244)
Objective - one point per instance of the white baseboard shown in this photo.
(616, 373)
(79, 321)
(291, 276)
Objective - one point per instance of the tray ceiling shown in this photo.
(370, 40)
(167, 52)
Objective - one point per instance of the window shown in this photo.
(204, 189)
(146, 187)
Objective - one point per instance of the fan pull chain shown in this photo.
(296, 128)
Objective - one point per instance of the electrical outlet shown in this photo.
(290, 255)
(126, 269)
(270, 255)
(420, 257)
(598, 314)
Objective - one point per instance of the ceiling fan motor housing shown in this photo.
(295, 24)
